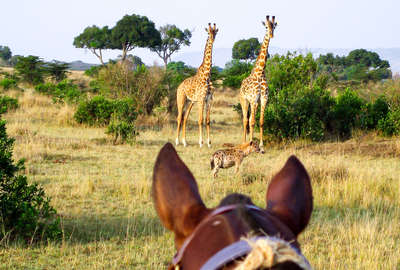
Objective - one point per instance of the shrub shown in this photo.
(64, 91)
(346, 113)
(298, 114)
(25, 211)
(30, 69)
(7, 104)
(57, 70)
(144, 85)
(95, 112)
(390, 125)
(234, 72)
(93, 71)
(7, 83)
(372, 113)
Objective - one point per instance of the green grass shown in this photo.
(102, 191)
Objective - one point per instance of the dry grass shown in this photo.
(102, 191)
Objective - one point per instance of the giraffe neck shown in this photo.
(258, 69)
(205, 67)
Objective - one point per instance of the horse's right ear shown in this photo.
(289, 195)
(176, 196)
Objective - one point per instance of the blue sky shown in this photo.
(46, 28)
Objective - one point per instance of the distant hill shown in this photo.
(79, 65)
(223, 55)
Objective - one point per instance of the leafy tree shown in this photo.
(134, 31)
(5, 53)
(172, 38)
(95, 39)
(57, 70)
(30, 69)
(246, 49)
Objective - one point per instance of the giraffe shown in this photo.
(254, 87)
(197, 88)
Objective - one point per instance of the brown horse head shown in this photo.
(204, 235)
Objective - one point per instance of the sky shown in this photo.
(46, 28)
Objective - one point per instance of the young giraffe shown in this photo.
(197, 88)
(255, 87)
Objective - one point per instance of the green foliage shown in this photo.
(119, 115)
(175, 74)
(95, 39)
(346, 113)
(172, 38)
(134, 31)
(359, 65)
(246, 49)
(300, 113)
(7, 104)
(5, 53)
(234, 73)
(390, 125)
(30, 69)
(373, 112)
(93, 71)
(57, 70)
(8, 83)
(25, 211)
(95, 112)
(64, 91)
(146, 86)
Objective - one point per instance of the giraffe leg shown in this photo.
(245, 107)
(180, 102)
(263, 104)
(208, 108)
(184, 123)
(201, 111)
(253, 107)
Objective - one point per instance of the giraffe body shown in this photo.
(197, 89)
(254, 88)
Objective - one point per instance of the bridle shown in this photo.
(232, 252)
(227, 254)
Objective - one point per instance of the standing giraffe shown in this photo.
(197, 88)
(255, 87)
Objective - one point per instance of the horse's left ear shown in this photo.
(289, 195)
(176, 196)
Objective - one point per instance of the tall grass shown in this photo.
(102, 191)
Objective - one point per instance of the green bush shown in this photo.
(95, 112)
(7, 104)
(372, 113)
(64, 91)
(346, 113)
(298, 114)
(8, 83)
(390, 125)
(234, 73)
(93, 71)
(25, 211)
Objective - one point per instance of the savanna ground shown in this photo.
(102, 191)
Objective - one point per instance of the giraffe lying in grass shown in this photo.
(234, 156)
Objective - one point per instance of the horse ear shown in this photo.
(176, 196)
(289, 195)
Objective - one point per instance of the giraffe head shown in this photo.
(212, 31)
(270, 25)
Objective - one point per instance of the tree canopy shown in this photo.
(5, 53)
(172, 38)
(134, 31)
(95, 39)
(246, 49)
